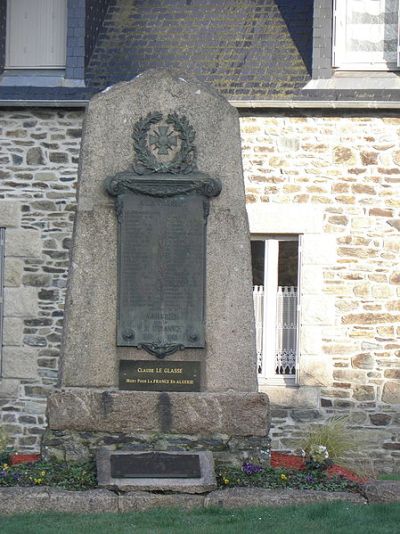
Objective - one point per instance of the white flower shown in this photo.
(324, 451)
(319, 453)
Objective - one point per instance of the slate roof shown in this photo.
(247, 49)
(242, 47)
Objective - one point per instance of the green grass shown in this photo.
(325, 518)
(389, 476)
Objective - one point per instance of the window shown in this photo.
(365, 34)
(2, 239)
(36, 34)
(275, 262)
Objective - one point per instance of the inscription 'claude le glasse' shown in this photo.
(177, 370)
(165, 376)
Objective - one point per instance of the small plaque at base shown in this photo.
(155, 465)
(185, 472)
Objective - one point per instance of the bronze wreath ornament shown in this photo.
(184, 161)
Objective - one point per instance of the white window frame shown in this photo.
(339, 54)
(46, 64)
(268, 374)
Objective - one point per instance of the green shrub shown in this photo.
(4, 452)
(335, 435)
(3, 440)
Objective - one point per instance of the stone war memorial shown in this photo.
(158, 376)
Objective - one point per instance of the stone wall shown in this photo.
(346, 167)
(332, 176)
(39, 155)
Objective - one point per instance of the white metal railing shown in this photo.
(258, 299)
(285, 330)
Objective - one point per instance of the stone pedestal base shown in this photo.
(243, 414)
(67, 445)
(234, 426)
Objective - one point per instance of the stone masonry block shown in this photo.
(311, 339)
(234, 498)
(283, 218)
(312, 280)
(23, 243)
(241, 414)
(17, 500)
(20, 302)
(82, 501)
(19, 362)
(321, 312)
(315, 371)
(12, 334)
(391, 393)
(9, 388)
(319, 250)
(10, 214)
(292, 397)
(13, 272)
(382, 491)
(141, 500)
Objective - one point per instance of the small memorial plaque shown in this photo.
(146, 375)
(155, 465)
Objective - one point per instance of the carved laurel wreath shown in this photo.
(184, 160)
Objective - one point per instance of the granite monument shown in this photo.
(159, 339)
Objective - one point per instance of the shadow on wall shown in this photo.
(298, 16)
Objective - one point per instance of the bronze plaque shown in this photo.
(161, 272)
(146, 375)
(155, 465)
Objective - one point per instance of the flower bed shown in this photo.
(19, 458)
(60, 474)
(292, 461)
(291, 471)
(286, 471)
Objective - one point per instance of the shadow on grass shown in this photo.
(325, 518)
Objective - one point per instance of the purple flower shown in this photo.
(310, 479)
(3, 473)
(250, 469)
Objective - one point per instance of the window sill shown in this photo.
(292, 396)
(357, 80)
(289, 381)
(38, 78)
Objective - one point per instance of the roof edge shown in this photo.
(240, 104)
(315, 104)
(44, 103)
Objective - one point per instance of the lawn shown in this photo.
(389, 476)
(325, 518)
